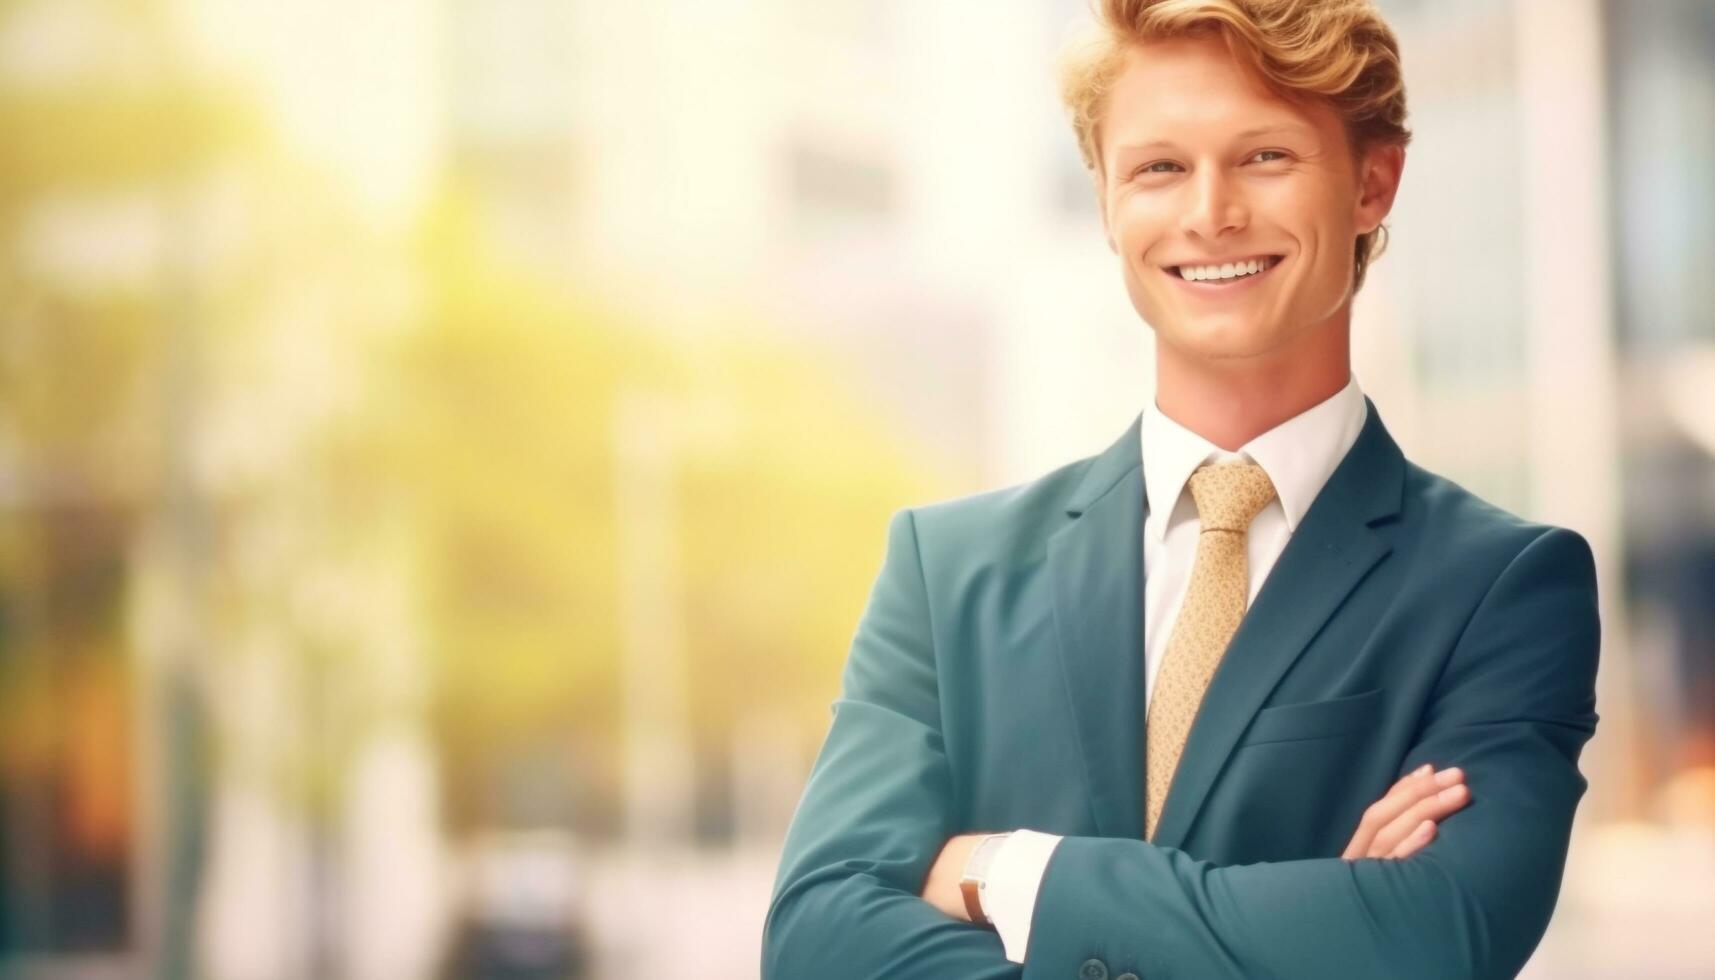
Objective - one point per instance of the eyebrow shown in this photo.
(1247, 134)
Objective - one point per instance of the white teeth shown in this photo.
(1230, 270)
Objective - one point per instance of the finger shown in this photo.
(1358, 846)
(1409, 789)
(1419, 836)
(1417, 839)
(1424, 781)
(1435, 807)
(1378, 813)
(1413, 790)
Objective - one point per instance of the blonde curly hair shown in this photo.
(1338, 51)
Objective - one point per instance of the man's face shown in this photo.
(1206, 167)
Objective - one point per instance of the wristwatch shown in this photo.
(976, 875)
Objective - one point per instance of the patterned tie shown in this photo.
(1229, 497)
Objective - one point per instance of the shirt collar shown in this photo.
(1298, 455)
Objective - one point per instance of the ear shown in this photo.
(1378, 183)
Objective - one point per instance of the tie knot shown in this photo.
(1230, 495)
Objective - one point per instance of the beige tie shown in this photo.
(1229, 497)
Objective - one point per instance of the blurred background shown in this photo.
(445, 445)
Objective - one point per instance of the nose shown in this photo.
(1215, 206)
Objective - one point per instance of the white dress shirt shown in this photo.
(1299, 455)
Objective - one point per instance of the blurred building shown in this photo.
(1662, 131)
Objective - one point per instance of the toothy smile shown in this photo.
(1237, 269)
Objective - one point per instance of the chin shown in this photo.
(1230, 355)
(1231, 342)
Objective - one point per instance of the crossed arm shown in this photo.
(1513, 710)
(1396, 826)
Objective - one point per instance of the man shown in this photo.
(1121, 722)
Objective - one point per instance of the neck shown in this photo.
(1231, 401)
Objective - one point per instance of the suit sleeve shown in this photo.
(1513, 708)
(876, 811)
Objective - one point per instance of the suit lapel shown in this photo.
(1333, 548)
(1096, 566)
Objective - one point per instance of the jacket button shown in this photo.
(1126, 976)
(1093, 970)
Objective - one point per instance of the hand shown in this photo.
(1404, 821)
(941, 888)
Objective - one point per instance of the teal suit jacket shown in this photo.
(995, 681)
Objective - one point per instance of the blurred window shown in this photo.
(1663, 128)
(832, 182)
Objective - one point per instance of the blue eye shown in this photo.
(1277, 153)
(1149, 168)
